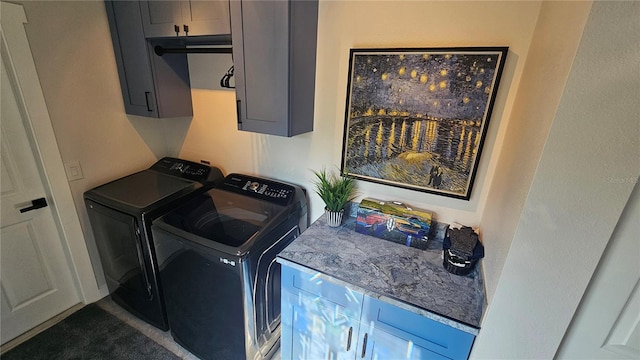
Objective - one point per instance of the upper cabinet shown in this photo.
(274, 56)
(184, 18)
(152, 86)
(274, 53)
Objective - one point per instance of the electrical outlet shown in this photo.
(73, 170)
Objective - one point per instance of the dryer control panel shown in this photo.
(187, 169)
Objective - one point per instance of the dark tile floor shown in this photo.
(161, 337)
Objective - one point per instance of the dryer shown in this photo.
(121, 212)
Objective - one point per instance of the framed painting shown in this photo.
(417, 118)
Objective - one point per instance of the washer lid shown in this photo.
(144, 188)
(225, 218)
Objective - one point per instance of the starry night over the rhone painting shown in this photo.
(416, 118)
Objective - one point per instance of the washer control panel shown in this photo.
(264, 189)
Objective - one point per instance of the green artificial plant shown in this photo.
(335, 191)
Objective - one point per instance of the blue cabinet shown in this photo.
(324, 320)
(394, 331)
(319, 319)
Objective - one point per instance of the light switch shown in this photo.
(73, 170)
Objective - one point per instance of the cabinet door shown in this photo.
(275, 66)
(192, 18)
(316, 329)
(261, 64)
(132, 58)
(319, 319)
(206, 17)
(151, 85)
(172, 83)
(160, 17)
(392, 332)
(380, 344)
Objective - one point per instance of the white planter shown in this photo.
(334, 218)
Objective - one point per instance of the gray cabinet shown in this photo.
(152, 86)
(162, 18)
(274, 56)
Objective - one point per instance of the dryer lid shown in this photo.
(144, 188)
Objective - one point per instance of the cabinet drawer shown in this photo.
(317, 284)
(424, 332)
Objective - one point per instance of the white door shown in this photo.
(607, 323)
(35, 276)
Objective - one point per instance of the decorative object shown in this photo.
(336, 191)
(333, 218)
(394, 221)
(417, 118)
(461, 249)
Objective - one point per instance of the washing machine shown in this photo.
(217, 259)
(121, 213)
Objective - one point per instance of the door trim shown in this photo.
(17, 52)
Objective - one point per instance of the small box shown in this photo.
(394, 221)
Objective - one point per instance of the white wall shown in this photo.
(73, 53)
(544, 75)
(589, 166)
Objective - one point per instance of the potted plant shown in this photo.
(336, 192)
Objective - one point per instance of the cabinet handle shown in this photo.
(186, 29)
(364, 345)
(146, 98)
(349, 338)
(176, 28)
(239, 117)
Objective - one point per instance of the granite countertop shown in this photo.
(406, 277)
